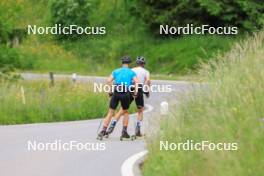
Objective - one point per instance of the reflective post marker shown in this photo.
(164, 108)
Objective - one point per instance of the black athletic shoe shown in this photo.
(138, 133)
(125, 135)
(102, 133)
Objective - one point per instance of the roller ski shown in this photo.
(125, 135)
(138, 134)
(101, 135)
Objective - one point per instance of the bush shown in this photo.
(9, 12)
(12, 58)
(245, 14)
(70, 12)
(9, 57)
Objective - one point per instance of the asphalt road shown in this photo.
(17, 160)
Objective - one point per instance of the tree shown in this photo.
(70, 12)
(9, 11)
(248, 15)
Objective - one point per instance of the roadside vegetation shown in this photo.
(128, 33)
(229, 109)
(38, 101)
(131, 28)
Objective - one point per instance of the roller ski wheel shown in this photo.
(101, 135)
(141, 137)
(133, 137)
(99, 138)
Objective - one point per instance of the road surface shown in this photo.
(17, 160)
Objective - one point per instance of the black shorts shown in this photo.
(139, 99)
(123, 97)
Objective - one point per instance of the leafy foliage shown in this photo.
(248, 15)
(9, 56)
(9, 59)
(69, 12)
(9, 11)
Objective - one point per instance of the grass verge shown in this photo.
(41, 103)
(229, 110)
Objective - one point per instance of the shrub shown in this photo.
(9, 12)
(69, 12)
(248, 15)
(9, 56)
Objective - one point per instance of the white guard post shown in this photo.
(164, 108)
(74, 77)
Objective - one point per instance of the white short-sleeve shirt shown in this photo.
(141, 73)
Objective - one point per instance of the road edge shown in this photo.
(127, 168)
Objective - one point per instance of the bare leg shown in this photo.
(140, 114)
(126, 118)
(139, 121)
(114, 121)
(106, 122)
(119, 114)
(125, 124)
(108, 117)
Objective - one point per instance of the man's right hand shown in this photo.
(147, 94)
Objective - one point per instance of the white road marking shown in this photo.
(148, 108)
(128, 165)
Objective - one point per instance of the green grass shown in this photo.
(229, 110)
(41, 103)
(173, 56)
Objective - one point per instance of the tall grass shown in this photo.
(41, 103)
(229, 109)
